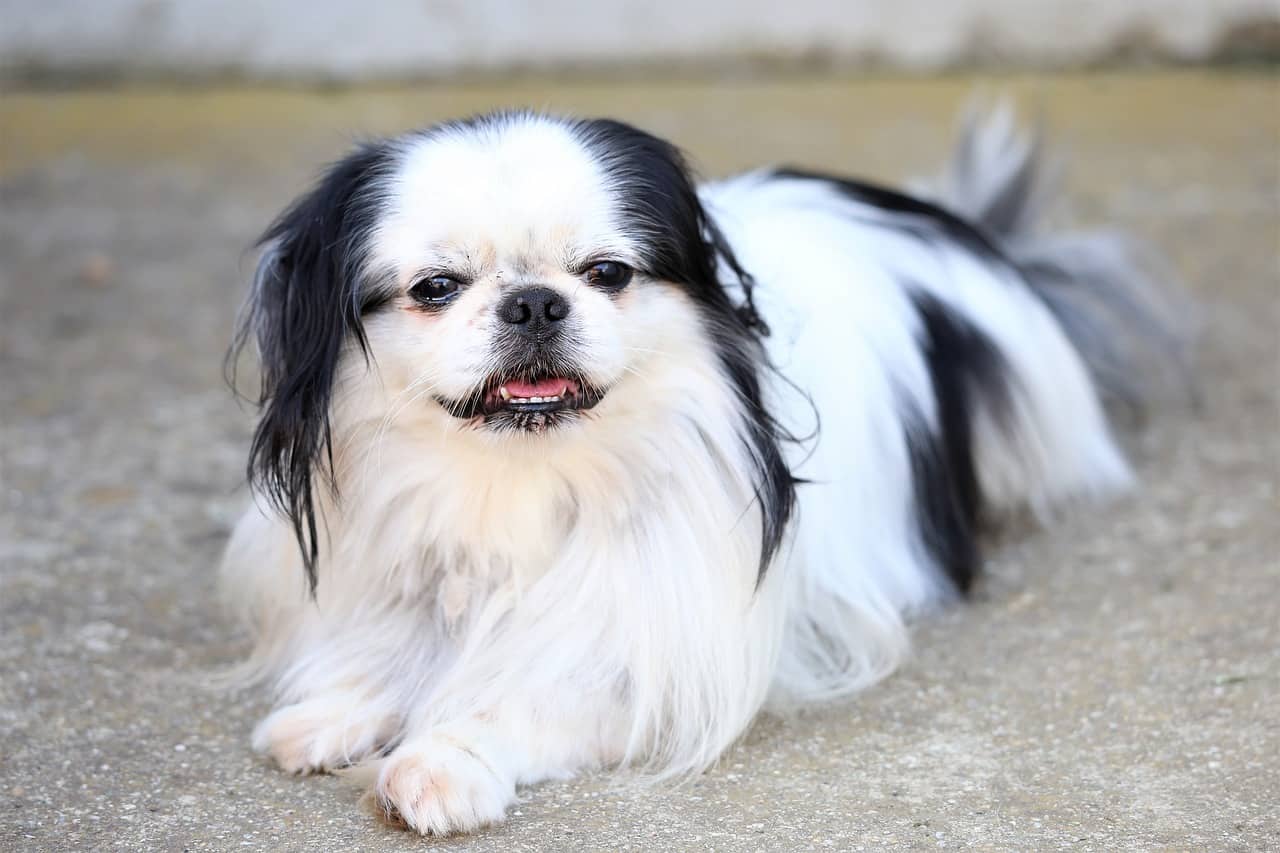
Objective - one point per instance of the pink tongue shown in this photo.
(542, 388)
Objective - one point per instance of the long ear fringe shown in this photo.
(305, 305)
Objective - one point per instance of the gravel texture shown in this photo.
(1113, 684)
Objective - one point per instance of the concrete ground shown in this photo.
(1114, 684)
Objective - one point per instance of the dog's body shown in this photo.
(512, 584)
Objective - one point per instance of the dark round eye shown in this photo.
(610, 275)
(435, 290)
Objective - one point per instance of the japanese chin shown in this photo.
(567, 461)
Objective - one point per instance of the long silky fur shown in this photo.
(1116, 299)
(305, 306)
(819, 390)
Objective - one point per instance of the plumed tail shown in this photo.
(1118, 303)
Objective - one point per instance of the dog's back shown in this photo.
(941, 364)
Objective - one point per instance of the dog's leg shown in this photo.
(333, 728)
(460, 774)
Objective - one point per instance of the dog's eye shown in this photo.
(435, 290)
(610, 275)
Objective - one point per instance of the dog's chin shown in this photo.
(531, 404)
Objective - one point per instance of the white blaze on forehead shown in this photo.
(518, 189)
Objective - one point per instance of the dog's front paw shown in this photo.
(439, 786)
(323, 733)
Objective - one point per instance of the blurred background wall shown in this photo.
(303, 40)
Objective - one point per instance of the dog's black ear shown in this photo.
(659, 202)
(722, 253)
(305, 307)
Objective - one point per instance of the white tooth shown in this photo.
(535, 399)
(506, 395)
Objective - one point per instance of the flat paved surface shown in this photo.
(1114, 684)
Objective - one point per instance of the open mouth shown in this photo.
(523, 398)
(541, 395)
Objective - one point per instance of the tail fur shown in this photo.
(1116, 301)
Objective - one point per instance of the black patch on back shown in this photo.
(967, 372)
(915, 215)
(660, 206)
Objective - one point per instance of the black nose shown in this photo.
(534, 311)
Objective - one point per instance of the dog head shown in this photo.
(511, 275)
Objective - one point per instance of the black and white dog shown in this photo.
(565, 461)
